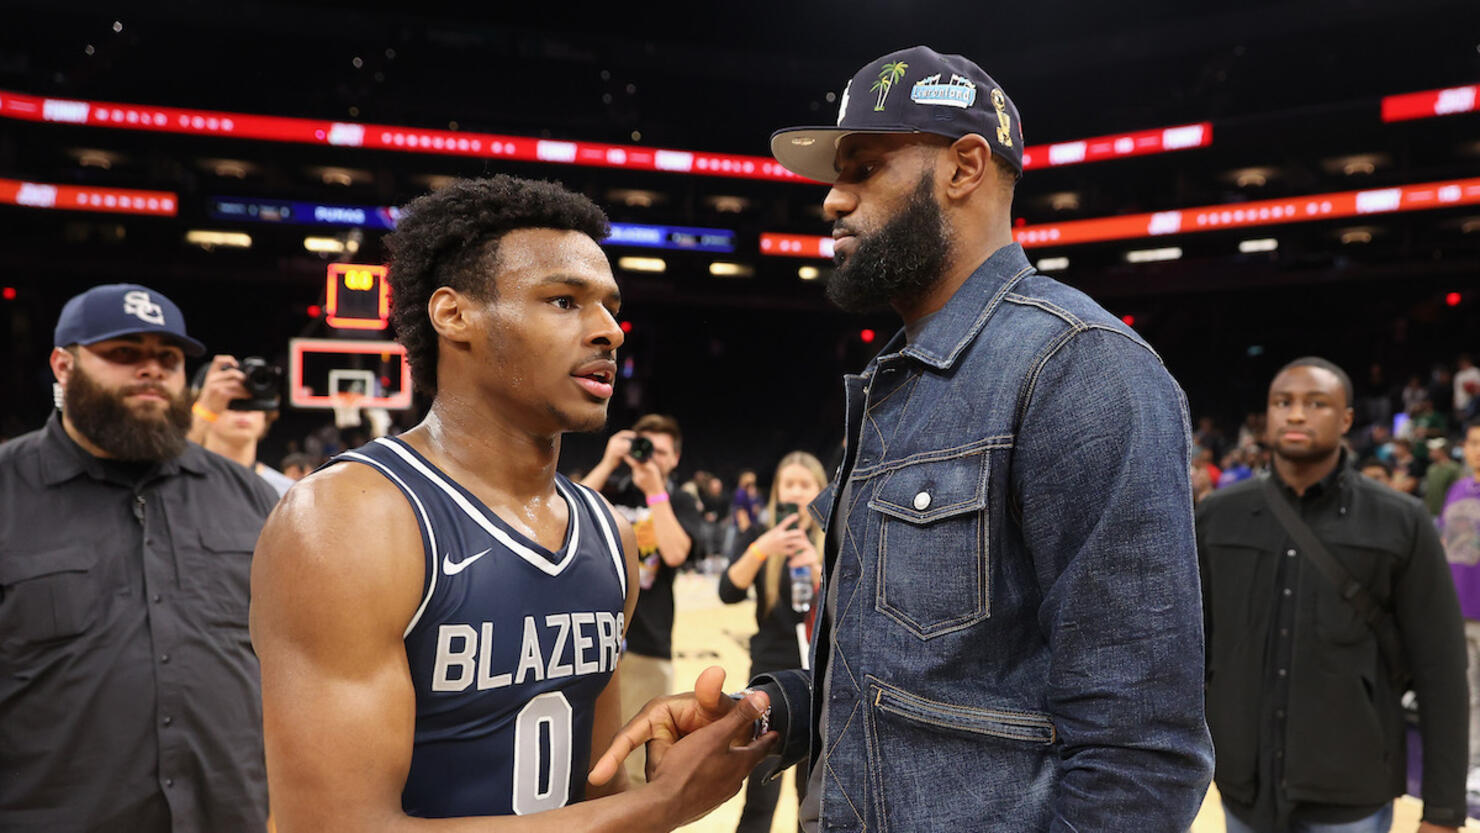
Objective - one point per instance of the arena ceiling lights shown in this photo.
(523, 148)
(1416, 197)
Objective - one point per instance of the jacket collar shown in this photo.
(63, 459)
(1338, 480)
(952, 329)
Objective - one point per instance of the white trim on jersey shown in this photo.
(426, 524)
(479, 518)
(594, 500)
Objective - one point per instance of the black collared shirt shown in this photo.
(129, 691)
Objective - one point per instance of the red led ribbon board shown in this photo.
(386, 137)
(357, 297)
(797, 245)
(523, 148)
(1207, 218)
(1431, 103)
(81, 198)
(1118, 146)
(1254, 214)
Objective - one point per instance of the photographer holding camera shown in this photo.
(235, 405)
(669, 524)
(130, 687)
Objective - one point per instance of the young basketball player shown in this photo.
(439, 614)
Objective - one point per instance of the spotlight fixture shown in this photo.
(1263, 244)
(324, 245)
(724, 269)
(634, 197)
(725, 204)
(642, 264)
(1064, 201)
(208, 240)
(1153, 255)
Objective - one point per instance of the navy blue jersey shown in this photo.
(509, 649)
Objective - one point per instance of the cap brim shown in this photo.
(191, 347)
(810, 151)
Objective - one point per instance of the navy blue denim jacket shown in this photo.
(1018, 641)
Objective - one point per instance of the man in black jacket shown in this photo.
(1303, 695)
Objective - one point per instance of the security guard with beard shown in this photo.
(129, 696)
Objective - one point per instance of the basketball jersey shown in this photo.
(509, 649)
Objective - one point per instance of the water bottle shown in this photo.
(801, 588)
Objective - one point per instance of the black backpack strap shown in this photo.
(1353, 591)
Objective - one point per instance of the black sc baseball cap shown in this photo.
(915, 90)
(119, 309)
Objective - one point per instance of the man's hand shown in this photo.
(647, 476)
(224, 382)
(665, 720)
(704, 769)
(1429, 827)
(617, 447)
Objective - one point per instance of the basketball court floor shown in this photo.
(707, 632)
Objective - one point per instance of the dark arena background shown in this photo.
(1244, 182)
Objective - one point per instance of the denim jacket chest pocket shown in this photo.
(933, 544)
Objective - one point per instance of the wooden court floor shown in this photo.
(707, 633)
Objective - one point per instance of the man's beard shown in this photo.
(900, 261)
(104, 418)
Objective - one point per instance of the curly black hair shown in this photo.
(450, 238)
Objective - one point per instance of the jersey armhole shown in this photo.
(423, 523)
(608, 526)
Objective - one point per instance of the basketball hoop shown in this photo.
(347, 409)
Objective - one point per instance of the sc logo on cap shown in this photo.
(139, 305)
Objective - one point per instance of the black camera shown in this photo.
(641, 449)
(263, 382)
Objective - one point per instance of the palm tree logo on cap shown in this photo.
(890, 73)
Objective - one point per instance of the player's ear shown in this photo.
(450, 313)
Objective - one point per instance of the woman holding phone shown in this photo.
(780, 557)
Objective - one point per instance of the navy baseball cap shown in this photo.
(915, 90)
(119, 309)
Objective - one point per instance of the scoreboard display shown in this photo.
(357, 297)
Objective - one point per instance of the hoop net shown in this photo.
(347, 409)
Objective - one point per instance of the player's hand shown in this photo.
(617, 447)
(224, 382)
(701, 771)
(1430, 827)
(665, 720)
(647, 476)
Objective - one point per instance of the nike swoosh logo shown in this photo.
(452, 568)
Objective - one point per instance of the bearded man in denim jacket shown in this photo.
(1011, 637)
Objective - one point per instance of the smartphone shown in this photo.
(784, 511)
